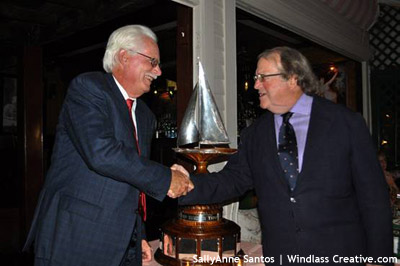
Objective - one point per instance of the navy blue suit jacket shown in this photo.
(87, 209)
(340, 205)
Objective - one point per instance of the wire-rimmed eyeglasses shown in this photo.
(260, 77)
(153, 61)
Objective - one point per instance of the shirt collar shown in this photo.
(303, 105)
(125, 94)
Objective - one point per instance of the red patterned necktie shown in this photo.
(142, 196)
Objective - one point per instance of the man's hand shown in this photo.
(180, 182)
(147, 251)
(168, 246)
(180, 168)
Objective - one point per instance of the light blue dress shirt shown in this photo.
(300, 121)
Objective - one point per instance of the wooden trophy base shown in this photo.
(199, 234)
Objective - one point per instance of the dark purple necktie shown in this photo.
(287, 150)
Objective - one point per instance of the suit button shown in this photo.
(298, 230)
(292, 200)
(137, 211)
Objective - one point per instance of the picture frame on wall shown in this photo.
(9, 105)
(340, 83)
(333, 81)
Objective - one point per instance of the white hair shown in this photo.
(127, 37)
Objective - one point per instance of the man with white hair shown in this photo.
(92, 206)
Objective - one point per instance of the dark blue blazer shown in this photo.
(340, 205)
(87, 209)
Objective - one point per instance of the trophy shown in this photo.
(199, 235)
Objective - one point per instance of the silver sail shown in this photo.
(202, 116)
(189, 132)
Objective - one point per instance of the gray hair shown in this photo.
(294, 63)
(127, 37)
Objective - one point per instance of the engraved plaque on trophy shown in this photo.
(199, 233)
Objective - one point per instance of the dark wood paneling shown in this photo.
(184, 54)
(32, 149)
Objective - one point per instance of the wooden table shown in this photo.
(251, 249)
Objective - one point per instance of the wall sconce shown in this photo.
(333, 69)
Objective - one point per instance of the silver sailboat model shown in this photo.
(202, 122)
(202, 125)
(199, 224)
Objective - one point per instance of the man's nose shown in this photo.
(257, 84)
(157, 70)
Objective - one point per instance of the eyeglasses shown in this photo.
(260, 77)
(153, 61)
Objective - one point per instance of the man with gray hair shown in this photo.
(92, 206)
(322, 197)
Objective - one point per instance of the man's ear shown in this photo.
(122, 57)
(293, 81)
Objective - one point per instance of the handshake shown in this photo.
(180, 182)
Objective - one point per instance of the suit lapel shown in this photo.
(120, 103)
(318, 128)
(141, 124)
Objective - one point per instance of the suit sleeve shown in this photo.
(91, 128)
(232, 181)
(372, 192)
